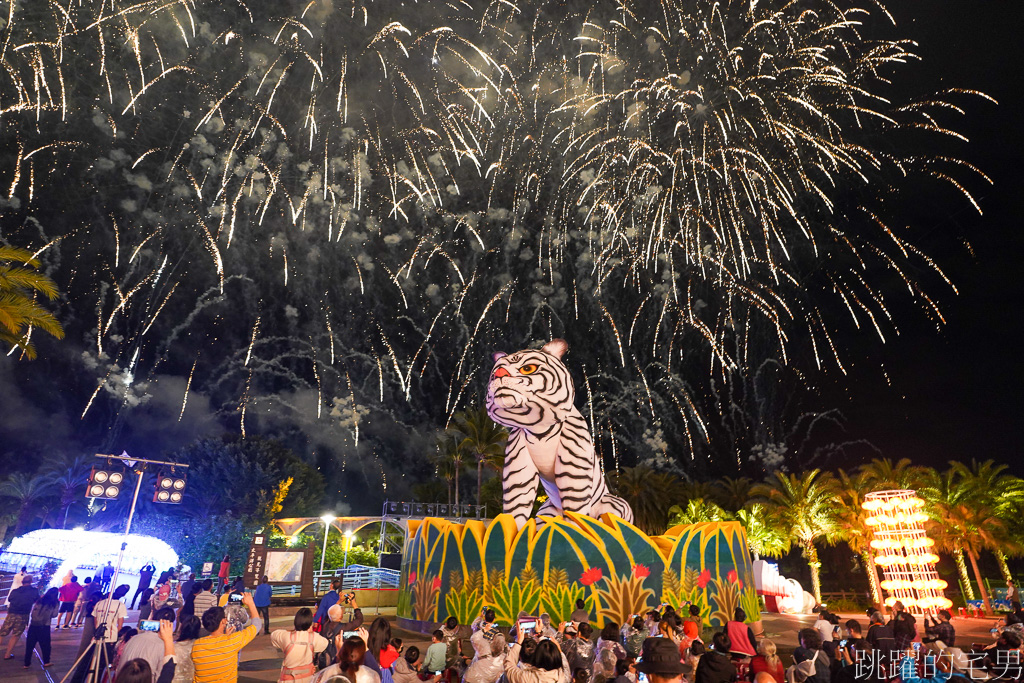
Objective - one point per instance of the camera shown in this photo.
(348, 598)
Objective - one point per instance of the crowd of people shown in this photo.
(195, 630)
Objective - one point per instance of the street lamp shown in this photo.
(348, 542)
(326, 519)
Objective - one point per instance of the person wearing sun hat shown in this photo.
(659, 659)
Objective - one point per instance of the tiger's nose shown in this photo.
(501, 372)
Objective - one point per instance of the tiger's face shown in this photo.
(530, 388)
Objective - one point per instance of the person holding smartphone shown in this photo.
(216, 656)
(139, 670)
(545, 664)
(147, 644)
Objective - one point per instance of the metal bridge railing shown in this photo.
(357, 577)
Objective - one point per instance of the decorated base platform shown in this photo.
(451, 569)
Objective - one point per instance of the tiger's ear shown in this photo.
(498, 355)
(556, 348)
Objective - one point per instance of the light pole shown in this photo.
(348, 542)
(326, 519)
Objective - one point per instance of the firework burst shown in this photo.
(360, 199)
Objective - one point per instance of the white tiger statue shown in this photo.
(532, 394)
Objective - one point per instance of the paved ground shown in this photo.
(262, 662)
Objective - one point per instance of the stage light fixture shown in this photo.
(170, 488)
(104, 482)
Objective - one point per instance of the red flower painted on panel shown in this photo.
(412, 578)
(437, 583)
(591, 576)
(640, 571)
(704, 579)
(731, 576)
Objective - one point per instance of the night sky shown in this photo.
(932, 393)
(956, 393)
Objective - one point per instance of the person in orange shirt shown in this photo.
(692, 624)
(216, 656)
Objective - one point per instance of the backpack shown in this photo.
(326, 658)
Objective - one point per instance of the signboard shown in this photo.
(207, 570)
(282, 566)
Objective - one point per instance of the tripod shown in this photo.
(80, 671)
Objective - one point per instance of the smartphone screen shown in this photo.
(917, 647)
(149, 625)
(235, 597)
(348, 634)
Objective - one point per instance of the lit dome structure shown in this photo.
(89, 550)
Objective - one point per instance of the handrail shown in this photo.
(357, 577)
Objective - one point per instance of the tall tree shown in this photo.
(942, 492)
(763, 534)
(883, 473)
(805, 504)
(733, 494)
(20, 313)
(979, 529)
(69, 478)
(990, 486)
(450, 459)
(697, 511)
(650, 493)
(27, 492)
(852, 526)
(483, 440)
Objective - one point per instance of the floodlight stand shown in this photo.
(323, 556)
(95, 672)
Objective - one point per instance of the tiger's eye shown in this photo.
(528, 369)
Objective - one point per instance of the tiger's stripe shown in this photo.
(532, 394)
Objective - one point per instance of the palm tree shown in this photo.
(763, 535)
(20, 313)
(882, 473)
(650, 493)
(1003, 494)
(805, 505)
(449, 460)
(979, 529)
(483, 440)
(733, 494)
(942, 492)
(26, 492)
(69, 477)
(690, 490)
(697, 511)
(853, 528)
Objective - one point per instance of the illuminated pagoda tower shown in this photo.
(904, 551)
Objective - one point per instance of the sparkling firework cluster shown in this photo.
(340, 207)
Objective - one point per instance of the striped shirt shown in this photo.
(204, 601)
(216, 657)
